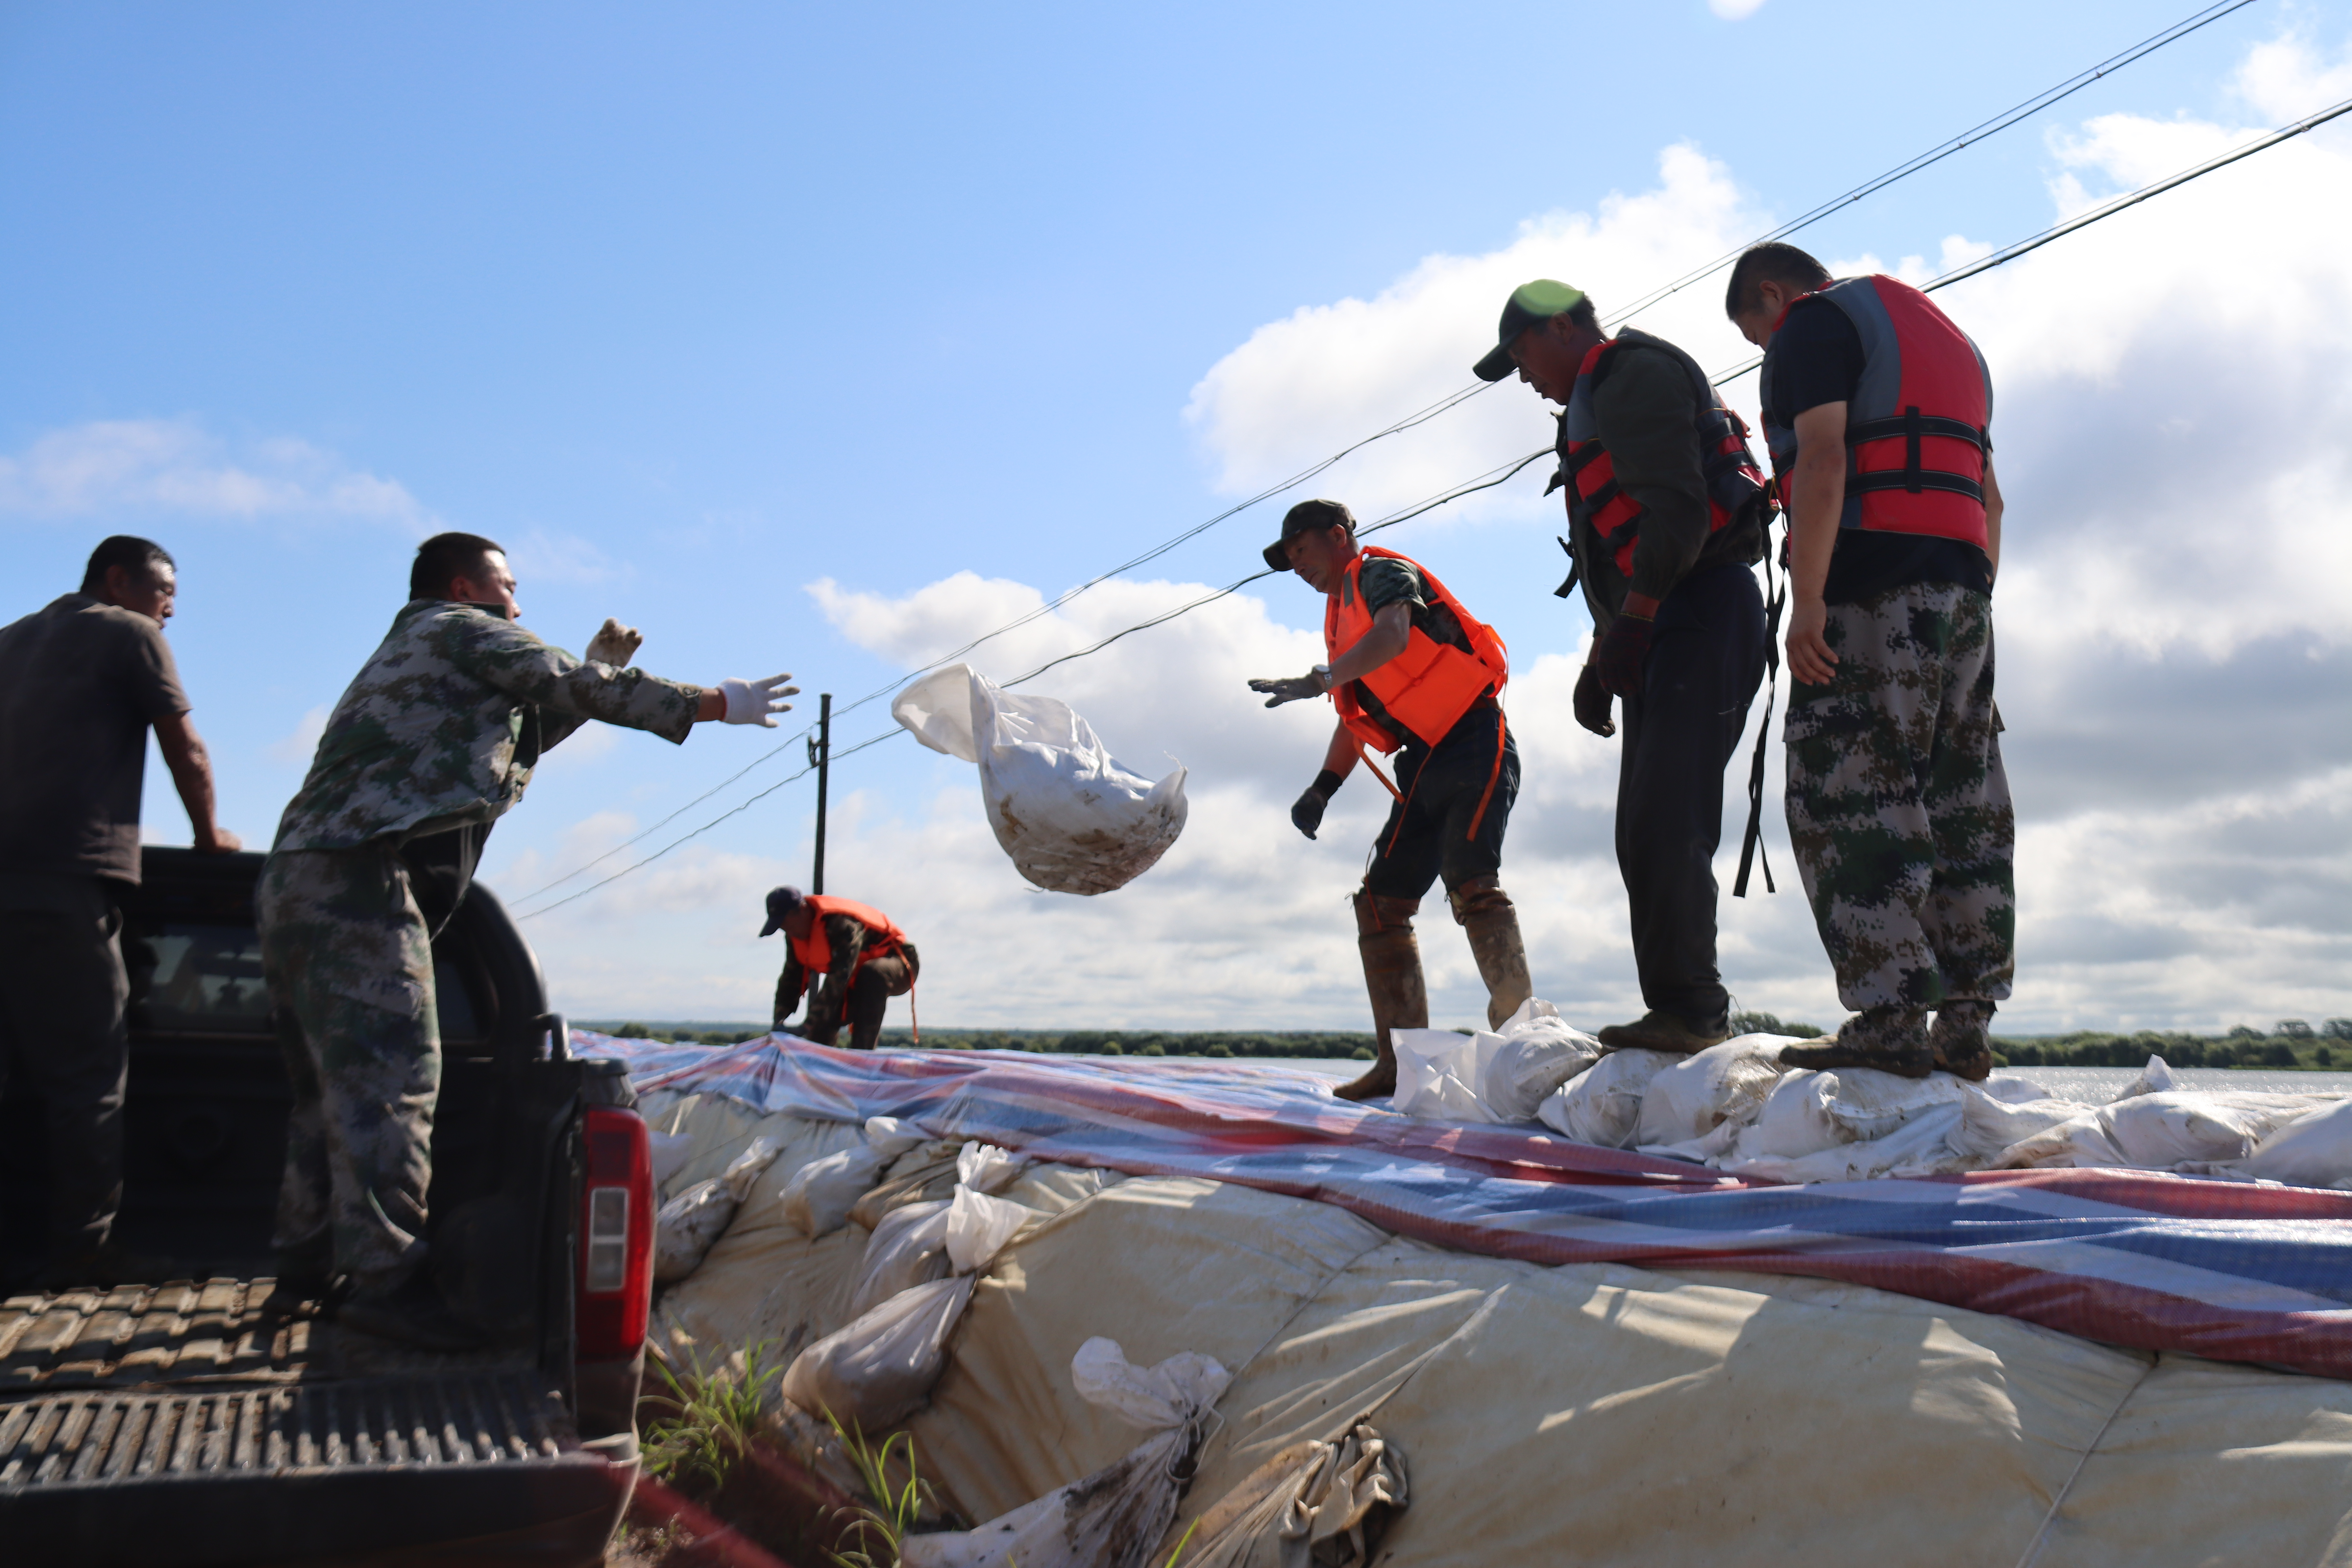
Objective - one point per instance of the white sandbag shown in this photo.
(1988, 1125)
(818, 1197)
(2080, 1140)
(1919, 1147)
(2159, 1131)
(2156, 1078)
(1795, 1120)
(2314, 1150)
(978, 1228)
(877, 1370)
(890, 1137)
(1698, 1093)
(1115, 1517)
(1438, 1072)
(685, 1227)
(670, 1151)
(985, 1168)
(1071, 817)
(1539, 1053)
(909, 1248)
(1604, 1104)
(1870, 1104)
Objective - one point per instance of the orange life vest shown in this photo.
(1427, 687)
(815, 950)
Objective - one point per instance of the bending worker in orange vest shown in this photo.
(849, 955)
(1414, 674)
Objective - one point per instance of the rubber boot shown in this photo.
(1393, 978)
(1486, 915)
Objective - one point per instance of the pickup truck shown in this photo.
(177, 1424)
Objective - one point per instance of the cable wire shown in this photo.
(1944, 150)
(2105, 209)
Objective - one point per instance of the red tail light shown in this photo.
(616, 1234)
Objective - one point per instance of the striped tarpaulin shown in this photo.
(2225, 1270)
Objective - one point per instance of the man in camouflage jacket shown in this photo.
(433, 743)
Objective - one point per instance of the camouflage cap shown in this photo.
(782, 902)
(1529, 303)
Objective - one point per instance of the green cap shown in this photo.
(1529, 303)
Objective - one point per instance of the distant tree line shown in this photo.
(2291, 1043)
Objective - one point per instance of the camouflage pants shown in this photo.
(1899, 806)
(350, 967)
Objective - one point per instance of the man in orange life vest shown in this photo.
(1878, 411)
(849, 956)
(1412, 673)
(1666, 517)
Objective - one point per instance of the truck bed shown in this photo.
(237, 1437)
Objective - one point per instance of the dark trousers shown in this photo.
(1706, 659)
(63, 994)
(1428, 835)
(870, 990)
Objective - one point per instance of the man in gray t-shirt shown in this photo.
(81, 682)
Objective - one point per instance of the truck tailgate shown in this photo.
(176, 1424)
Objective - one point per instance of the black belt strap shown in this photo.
(1776, 599)
(1904, 480)
(1574, 567)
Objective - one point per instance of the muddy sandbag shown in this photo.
(1539, 1053)
(877, 1369)
(985, 1168)
(1918, 1147)
(820, 1195)
(1702, 1092)
(1328, 1504)
(909, 1248)
(1989, 1124)
(1604, 1104)
(1115, 1517)
(685, 1227)
(2161, 1130)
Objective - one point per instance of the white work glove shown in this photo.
(753, 701)
(614, 644)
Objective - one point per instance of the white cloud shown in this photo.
(296, 749)
(1735, 10)
(174, 467)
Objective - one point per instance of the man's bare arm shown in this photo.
(1816, 497)
(192, 773)
(1993, 516)
(1392, 631)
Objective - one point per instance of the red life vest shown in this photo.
(1918, 426)
(1429, 686)
(1734, 483)
(815, 950)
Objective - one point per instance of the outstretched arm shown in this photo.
(192, 773)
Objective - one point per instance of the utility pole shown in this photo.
(820, 753)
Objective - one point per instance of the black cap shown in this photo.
(781, 901)
(1528, 304)
(1307, 517)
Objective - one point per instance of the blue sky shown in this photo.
(697, 307)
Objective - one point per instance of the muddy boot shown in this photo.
(1891, 1039)
(1962, 1039)
(1484, 913)
(1656, 1031)
(1393, 978)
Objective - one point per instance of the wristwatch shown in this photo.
(1322, 673)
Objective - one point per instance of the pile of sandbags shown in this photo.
(1735, 1108)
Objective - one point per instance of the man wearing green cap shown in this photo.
(1667, 518)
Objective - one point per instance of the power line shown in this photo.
(1487, 481)
(2104, 210)
(1944, 150)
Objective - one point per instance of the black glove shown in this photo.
(1619, 658)
(1291, 688)
(1591, 703)
(1308, 815)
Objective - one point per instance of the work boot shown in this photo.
(1962, 1039)
(306, 1285)
(1656, 1031)
(1891, 1039)
(1393, 978)
(105, 1265)
(1486, 915)
(411, 1313)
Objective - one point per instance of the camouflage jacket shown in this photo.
(445, 721)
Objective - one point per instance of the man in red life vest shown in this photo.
(1666, 517)
(1413, 674)
(1878, 411)
(849, 954)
